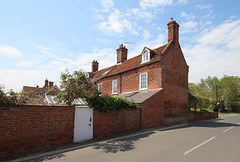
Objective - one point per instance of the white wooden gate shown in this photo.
(83, 124)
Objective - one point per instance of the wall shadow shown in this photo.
(121, 145)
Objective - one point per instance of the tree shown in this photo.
(230, 88)
(193, 88)
(209, 88)
(222, 91)
(74, 86)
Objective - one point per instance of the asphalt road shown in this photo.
(213, 140)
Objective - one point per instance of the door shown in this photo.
(83, 124)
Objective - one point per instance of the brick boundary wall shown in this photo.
(29, 128)
(109, 123)
(206, 116)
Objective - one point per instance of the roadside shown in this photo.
(74, 146)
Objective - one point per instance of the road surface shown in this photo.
(213, 140)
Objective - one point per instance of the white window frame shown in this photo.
(140, 81)
(100, 87)
(114, 86)
(145, 56)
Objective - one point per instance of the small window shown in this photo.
(114, 87)
(145, 56)
(143, 81)
(100, 87)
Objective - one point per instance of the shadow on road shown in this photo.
(46, 158)
(121, 145)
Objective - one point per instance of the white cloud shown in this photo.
(154, 3)
(187, 16)
(107, 4)
(182, 2)
(146, 34)
(216, 52)
(202, 7)
(140, 14)
(46, 51)
(116, 23)
(10, 51)
(26, 64)
(189, 26)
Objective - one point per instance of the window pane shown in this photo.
(100, 87)
(114, 86)
(143, 81)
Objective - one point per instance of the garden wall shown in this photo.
(116, 122)
(206, 116)
(29, 128)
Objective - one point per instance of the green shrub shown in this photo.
(107, 103)
(235, 106)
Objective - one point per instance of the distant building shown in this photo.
(48, 92)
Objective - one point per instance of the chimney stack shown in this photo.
(121, 54)
(94, 66)
(173, 31)
(50, 84)
(46, 83)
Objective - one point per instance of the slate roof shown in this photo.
(129, 64)
(139, 96)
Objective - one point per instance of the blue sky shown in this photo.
(40, 39)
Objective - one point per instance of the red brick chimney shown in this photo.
(173, 31)
(121, 54)
(46, 83)
(50, 84)
(94, 66)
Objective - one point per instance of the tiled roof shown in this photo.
(35, 90)
(129, 64)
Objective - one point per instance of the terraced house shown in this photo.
(156, 79)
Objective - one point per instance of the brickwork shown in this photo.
(153, 111)
(29, 128)
(175, 83)
(129, 81)
(206, 116)
(115, 122)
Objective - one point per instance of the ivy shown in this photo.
(107, 103)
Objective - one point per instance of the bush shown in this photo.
(235, 106)
(107, 103)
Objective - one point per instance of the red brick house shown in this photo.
(156, 79)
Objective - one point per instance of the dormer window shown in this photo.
(145, 55)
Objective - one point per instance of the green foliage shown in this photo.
(74, 86)
(230, 88)
(107, 103)
(226, 89)
(235, 106)
(193, 88)
(219, 106)
(198, 101)
(9, 98)
(4, 101)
